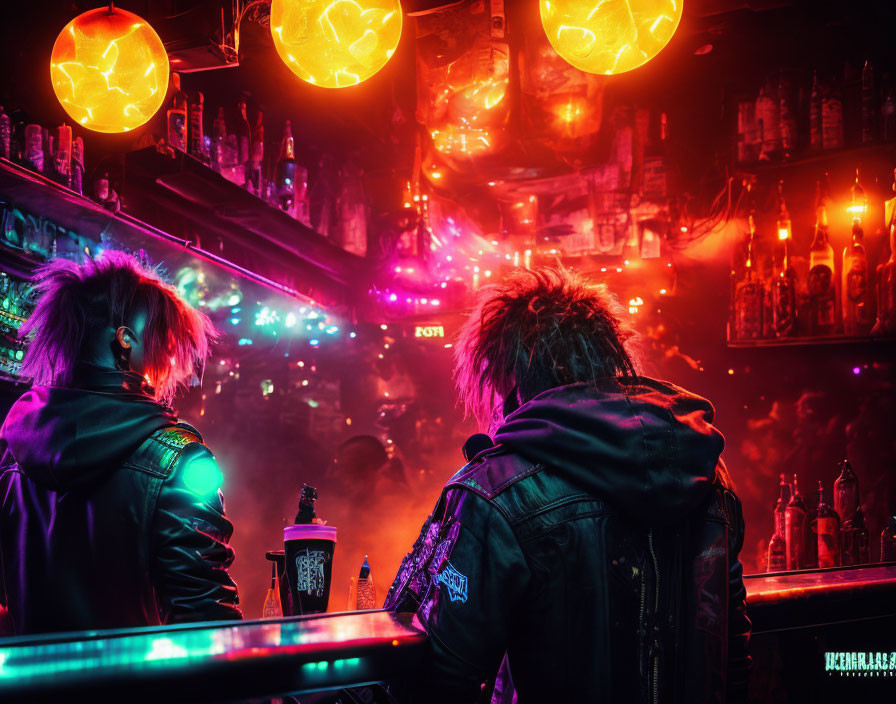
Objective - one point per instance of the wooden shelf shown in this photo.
(813, 158)
(812, 341)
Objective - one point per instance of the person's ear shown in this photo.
(124, 336)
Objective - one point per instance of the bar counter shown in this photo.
(797, 617)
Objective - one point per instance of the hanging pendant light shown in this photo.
(609, 36)
(109, 70)
(335, 43)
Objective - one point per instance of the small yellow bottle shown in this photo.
(362, 592)
(272, 607)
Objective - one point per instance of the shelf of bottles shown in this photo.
(237, 150)
(796, 119)
(15, 307)
(812, 532)
(850, 300)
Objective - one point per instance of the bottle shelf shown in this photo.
(810, 341)
(91, 225)
(812, 158)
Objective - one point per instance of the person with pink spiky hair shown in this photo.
(112, 514)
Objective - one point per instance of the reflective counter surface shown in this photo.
(211, 661)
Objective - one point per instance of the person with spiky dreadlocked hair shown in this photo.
(110, 510)
(593, 550)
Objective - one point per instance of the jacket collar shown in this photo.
(92, 377)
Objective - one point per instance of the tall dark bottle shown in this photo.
(219, 135)
(5, 135)
(822, 289)
(810, 543)
(285, 176)
(777, 547)
(855, 286)
(828, 531)
(854, 541)
(888, 540)
(749, 293)
(869, 104)
(782, 293)
(256, 156)
(177, 116)
(196, 139)
(815, 115)
(846, 492)
(78, 165)
(795, 528)
(886, 274)
(243, 135)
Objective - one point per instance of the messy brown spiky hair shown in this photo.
(536, 330)
(78, 302)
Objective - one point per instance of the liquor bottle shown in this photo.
(855, 289)
(851, 96)
(306, 512)
(782, 296)
(769, 121)
(828, 530)
(219, 134)
(272, 607)
(5, 134)
(362, 592)
(196, 141)
(243, 134)
(888, 541)
(854, 541)
(654, 173)
(62, 159)
(795, 528)
(78, 165)
(748, 294)
(888, 113)
(832, 117)
(815, 143)
(177, 116)
(746, 131)
(285, 176)
(256, 155)
(869, 104)
(886, 274)
(822, 292)
(787, 115)
(777, 546)
(846, 492)
(810, 544)
(34, 147)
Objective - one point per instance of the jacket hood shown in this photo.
(645, 446)
(67, 437)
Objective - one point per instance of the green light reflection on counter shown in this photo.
(153, 652)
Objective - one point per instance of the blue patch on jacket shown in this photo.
(456, 583)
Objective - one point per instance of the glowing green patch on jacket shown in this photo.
(202, 476)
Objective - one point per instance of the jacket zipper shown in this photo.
(654, 686)
(641, 624)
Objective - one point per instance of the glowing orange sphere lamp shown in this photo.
(609, 36)
(109, 70)
(335, 43)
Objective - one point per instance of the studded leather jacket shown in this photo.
(110, 515)
(596, 546)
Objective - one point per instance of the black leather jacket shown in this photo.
(596, 546)
(110, 516)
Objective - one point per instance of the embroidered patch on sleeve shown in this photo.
(455, 582)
